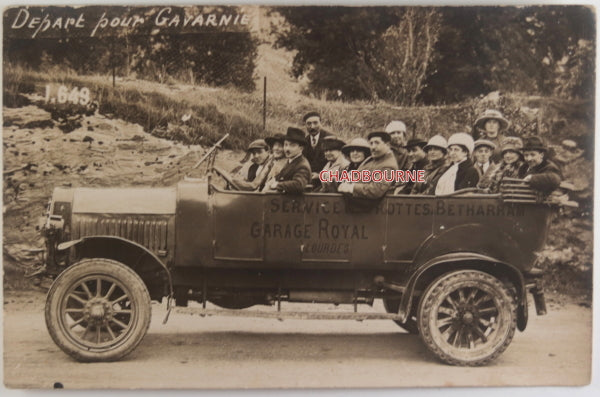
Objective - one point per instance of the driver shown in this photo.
(295, 174)
(255, 175)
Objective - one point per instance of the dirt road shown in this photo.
(226, 352)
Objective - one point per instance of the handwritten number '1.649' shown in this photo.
(63, 95)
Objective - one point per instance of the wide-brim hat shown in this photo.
(535, 143)
(491, 114)
(258, 144)
(484, 142)
(416, 142)
(511, 143)
(357, 144)
(386, 137)
(310, 114)
(333, 143)
(271, 140)
(295, 135)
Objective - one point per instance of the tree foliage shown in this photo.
(385, 53)
(210, 57)
(485, 49)
(406, 53)
(367, 53)
(576, 78)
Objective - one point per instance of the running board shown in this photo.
(289, 315)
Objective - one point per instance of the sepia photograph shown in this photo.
(247, 196)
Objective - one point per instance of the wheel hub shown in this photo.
(468, 318)
(98, 310)
(466, 314)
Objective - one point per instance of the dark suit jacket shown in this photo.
(294, 176)
(466, 176)
(545, 177)
(419, 165)
(316, 155)
(401, 158)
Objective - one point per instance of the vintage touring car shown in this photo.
(455, 269)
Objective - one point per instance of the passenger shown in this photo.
(295, 175)
(418, 161)
(461, 174)
(381, 159)
(512, 164)
(397, 131)
(490, 125)
(481, 156)
(336, 161)
(436, 150)
(356, 152)
(254, 176)
(275, 142)
(542, 174)
(313, 149)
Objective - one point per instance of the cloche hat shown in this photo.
(357, 143)
(437, 141)
(463, 139)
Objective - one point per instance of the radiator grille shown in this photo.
(151, 233)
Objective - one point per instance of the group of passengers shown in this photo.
(289, 162)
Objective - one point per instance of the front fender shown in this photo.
(149, 267)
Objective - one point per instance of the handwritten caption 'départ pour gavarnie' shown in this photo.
(89, 22)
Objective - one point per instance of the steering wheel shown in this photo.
(226, 176)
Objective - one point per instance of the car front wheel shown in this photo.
(467, 317)
(98, 310)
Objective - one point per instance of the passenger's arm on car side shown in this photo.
(546, 181)
(297, 183)
(373, 190)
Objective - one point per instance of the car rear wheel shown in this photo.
(467, 317)
(410, 326)
(98, 310)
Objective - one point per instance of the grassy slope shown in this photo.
(216, 111)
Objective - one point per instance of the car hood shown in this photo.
(125, 201)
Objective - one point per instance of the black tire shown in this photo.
(467, 317)
(410, 326)
(98, 310)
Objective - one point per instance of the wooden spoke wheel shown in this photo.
(467, 317)
(98, 310)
